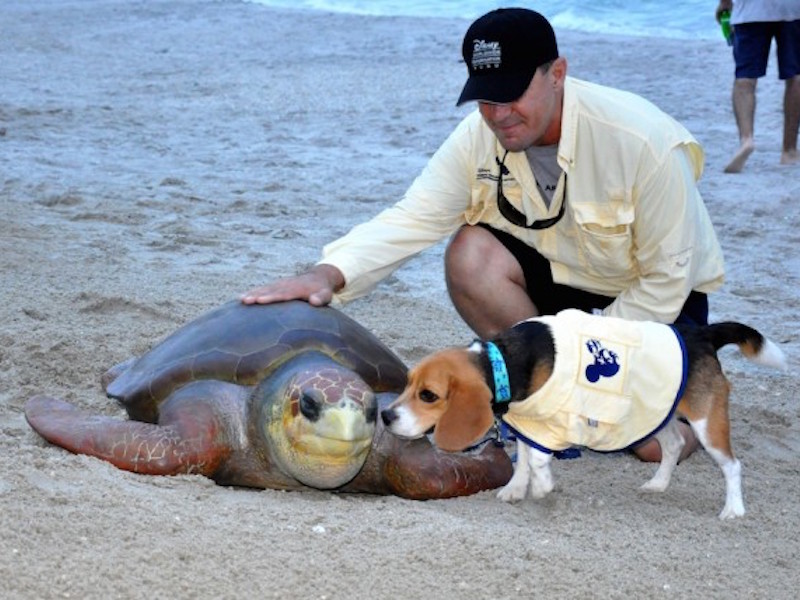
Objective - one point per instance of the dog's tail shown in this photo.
(751, 343)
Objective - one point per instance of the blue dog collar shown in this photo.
(502, 386)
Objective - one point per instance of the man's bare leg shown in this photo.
(791, 121)
(485, 282)
(744, 109)
(650, 451)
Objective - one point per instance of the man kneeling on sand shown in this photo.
(555, 192)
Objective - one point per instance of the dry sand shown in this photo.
(159, 158)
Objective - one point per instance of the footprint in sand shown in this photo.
(100, 305)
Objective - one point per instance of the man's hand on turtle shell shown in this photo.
(316, 287)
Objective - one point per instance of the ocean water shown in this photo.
(683, 19)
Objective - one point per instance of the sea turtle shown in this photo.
(281, 396)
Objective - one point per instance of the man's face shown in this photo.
(534, 119)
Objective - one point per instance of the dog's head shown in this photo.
(446, 391)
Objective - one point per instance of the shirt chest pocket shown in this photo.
(604, 234)
(482, 200)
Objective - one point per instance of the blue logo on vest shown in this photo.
(605, 362)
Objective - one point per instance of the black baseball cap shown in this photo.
(503, 49)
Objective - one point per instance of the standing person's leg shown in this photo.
(788, 42)
(791, 121)
(751, 43)
(744, 109)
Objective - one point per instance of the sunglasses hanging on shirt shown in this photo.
(514, 216)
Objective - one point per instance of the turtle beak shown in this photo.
(345, 422)
(349, 424)
(348, 420)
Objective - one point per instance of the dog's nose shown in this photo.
(388, 416)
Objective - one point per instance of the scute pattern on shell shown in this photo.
(243, 344)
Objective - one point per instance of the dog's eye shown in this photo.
(428, 396)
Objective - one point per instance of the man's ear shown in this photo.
(559, 70)
(468, 416)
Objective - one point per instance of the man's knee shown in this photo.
(468, 251)
(745, 85)
(475, 256)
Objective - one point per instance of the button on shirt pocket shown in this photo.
(605, 236)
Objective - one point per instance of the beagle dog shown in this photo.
(581, 380)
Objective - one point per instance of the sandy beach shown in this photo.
(159, 158)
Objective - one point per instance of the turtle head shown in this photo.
(316, 419)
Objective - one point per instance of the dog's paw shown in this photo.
(656, 485)
(541, 485)
(512, 492)
(653, 488)
(732, 510)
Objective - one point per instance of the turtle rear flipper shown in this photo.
(178, 447)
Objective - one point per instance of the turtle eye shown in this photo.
(428, 396)
(310, 406)
(372, 412)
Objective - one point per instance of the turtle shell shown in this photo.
(243, 344)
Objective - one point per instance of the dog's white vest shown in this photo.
(614, 382)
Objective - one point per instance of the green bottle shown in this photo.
(725, 24)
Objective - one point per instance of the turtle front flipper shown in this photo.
(418, 470)
(185, 445)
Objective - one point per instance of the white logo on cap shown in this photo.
(485, 55)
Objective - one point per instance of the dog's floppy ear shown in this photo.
(468, 416)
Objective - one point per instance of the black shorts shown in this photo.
(550, 297)
(751, 45)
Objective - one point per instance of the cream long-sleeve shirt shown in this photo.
(635, 226)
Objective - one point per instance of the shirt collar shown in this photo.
(569, 125)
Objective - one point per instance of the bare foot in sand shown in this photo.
(737, 164)
(790, 157)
